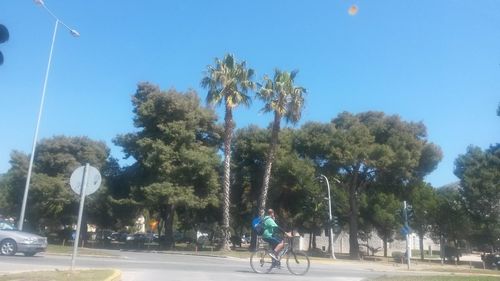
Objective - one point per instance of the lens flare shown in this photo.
(353, 10)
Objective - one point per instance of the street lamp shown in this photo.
(323, 177)
(30, 167)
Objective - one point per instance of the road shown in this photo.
(139, 266)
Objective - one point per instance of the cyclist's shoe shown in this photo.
(272, 255)
(276, 264)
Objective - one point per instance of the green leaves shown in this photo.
(451, 217)
(377, 157)
(51, 201)
(281, 96)
(158, 194)
(176, 153)
(228, 82)
(382, 208)
(479, 174)
(177, 143)
(60, 155)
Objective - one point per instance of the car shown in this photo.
(119, 236)
(13, 241)
(491, 260)
(103, 235)
(140, 240)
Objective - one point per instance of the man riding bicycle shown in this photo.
(270, 236)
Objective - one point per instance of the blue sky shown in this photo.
(432, 61)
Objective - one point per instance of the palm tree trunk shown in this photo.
(269, 162)
(228, 136)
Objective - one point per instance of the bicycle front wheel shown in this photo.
(298, 263)
(261, 262)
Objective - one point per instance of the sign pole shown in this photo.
(80, 212)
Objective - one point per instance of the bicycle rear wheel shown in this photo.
(261, 262)
(298, 263)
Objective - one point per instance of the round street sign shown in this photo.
(93, 180)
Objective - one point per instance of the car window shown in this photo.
(6, 226)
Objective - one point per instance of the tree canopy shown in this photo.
(369, 150)
(51, 201)
(175, 150)
(479, 174)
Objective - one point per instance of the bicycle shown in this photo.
(297, 262)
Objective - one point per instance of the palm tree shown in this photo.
(228, 83)
(286, 100)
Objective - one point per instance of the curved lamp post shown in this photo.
(322, 178)
(40, 110)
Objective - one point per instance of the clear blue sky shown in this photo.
(432, 61)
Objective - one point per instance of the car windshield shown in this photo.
(5, 225)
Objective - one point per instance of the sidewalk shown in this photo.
(466, 266)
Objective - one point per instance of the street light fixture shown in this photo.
(323, 177)
(40, 110)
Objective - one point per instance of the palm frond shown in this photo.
(281, 96)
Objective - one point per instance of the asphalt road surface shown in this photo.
(139, 266)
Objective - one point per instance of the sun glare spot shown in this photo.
(353, 10)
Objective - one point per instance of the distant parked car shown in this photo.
(119, 236)
(491, 260)
(138, 240)
(13, 241)
(104, 235)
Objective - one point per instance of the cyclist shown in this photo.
(270, 236)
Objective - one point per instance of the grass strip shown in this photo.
(58, 249)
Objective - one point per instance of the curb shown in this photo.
(116, 276)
